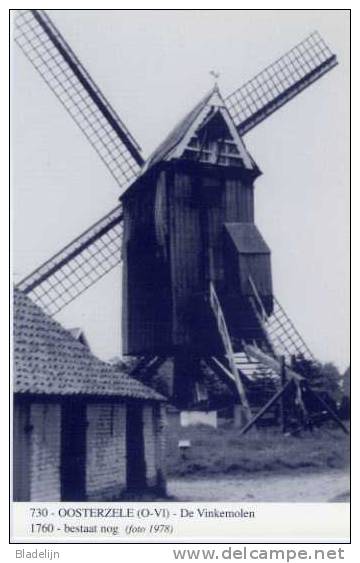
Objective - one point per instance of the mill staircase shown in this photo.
(270, 343)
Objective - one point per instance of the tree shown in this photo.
(324, 379)
(345, 401)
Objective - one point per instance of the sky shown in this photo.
(153, 66)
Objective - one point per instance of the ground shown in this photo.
(262, 466)
(331, 486)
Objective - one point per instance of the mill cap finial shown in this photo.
(216, 75)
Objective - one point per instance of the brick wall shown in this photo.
(21, 452)
(38, 426)
(160, 425)
(44, 452)
(154, 418)
(150, 444)
(106, 450)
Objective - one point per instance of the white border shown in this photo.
(162, 553)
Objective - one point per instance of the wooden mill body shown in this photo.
(189, 221)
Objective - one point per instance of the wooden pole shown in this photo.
(241, 417)
(282, 401)
(186, 371)
(225, 336)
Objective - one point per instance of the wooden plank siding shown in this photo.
(21, 451)
(199, 205)
(173, 247)
(146, 279)
(259, 268)
(185, 254)
(239, 202)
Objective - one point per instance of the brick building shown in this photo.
(82, 430)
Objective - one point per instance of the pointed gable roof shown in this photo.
(247, 238)
(175, 143)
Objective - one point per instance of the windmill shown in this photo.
(197, 273)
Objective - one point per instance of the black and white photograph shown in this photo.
(180, 200)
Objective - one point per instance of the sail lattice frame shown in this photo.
(285, 337)
(70, 270)
(77, 266)
(280, 82)
(50, 54)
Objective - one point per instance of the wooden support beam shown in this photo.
(282, 402)
(261, 322)
(266, 407)
(225, 336)
(140, 365)
(333, 415)
(241, 415)
(152, 367)
(223, 368)
(275, 365)
(257, 297)
(187, 370)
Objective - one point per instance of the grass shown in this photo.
(224, 452)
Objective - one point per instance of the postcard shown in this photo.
(180, 345)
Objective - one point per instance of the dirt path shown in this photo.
(307, 487)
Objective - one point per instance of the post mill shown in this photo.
(197, 282)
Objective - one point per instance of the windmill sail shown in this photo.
(78, 266)
(280, 82)
(55, 61)
(81, 263)
(286, 339)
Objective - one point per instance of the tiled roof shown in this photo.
(247, 238)
(49, 360)
(76, 332)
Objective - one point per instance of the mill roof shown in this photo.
(182, 132)
(247, 238)
(49, 360)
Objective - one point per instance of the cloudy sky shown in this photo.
(153, 66)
